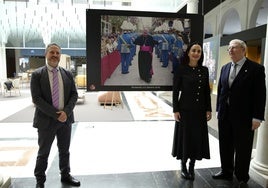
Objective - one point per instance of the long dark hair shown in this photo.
(185, 58)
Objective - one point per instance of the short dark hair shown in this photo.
(52, 44)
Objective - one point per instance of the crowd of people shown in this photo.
(167, 46)
(108, 44)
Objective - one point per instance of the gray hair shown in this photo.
(238, 41)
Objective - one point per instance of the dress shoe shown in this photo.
(222, 176)
(184, 175)
(148, 80)
(191, 175)
(191, 169)
(40, 185)
(70, 181)
(242, 184)
(184, 172)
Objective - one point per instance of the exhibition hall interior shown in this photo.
(123, 132)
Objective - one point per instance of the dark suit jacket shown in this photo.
(247, 94)
(45, 113)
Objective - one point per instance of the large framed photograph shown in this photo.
(137, 51)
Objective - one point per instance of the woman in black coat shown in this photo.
(192, 110)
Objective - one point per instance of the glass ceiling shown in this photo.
(34, 23)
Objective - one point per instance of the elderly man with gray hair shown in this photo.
(240, 105)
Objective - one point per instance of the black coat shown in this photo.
(247, 94)
(192, 84)
(191, 97)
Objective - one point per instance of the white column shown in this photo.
(5, 182)
(259, 164)
(192, 7)
(3, 63)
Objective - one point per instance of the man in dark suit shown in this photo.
(240, 105)
(53, 120)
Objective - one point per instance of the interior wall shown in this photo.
(222, 60)
(254, 54)
(36, 62)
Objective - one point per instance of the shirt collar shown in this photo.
(241, 62)
(51, 68)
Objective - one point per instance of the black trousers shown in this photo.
(62, 132)
(235, 141)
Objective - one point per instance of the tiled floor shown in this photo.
(155, 179)
(133, 154)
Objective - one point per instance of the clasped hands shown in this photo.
(62, 116)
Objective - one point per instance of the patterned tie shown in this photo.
(55, 88)
(232, 74)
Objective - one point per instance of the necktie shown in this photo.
(55, 89)
(232, 74)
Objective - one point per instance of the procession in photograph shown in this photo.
(141, 50)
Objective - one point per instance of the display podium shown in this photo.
(110, 98)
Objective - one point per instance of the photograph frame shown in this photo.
(94, 32)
